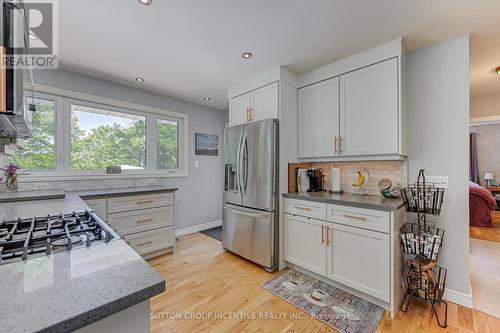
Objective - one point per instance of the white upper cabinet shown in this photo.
(318, 119)
(259, 104)
(265, 103)
(369, 110)
(239, 109)
(353, 109)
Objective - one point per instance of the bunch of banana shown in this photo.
(360, 181)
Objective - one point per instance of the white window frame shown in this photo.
(65, 98)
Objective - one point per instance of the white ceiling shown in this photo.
(484, 58)
(192, 48)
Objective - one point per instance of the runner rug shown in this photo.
(334, 307)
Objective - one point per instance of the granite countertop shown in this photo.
(31, 195)
(70, 202)
(376, 202)
(68, 290)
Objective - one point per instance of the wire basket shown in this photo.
(423, 241)
(429, 284)
(419, 198)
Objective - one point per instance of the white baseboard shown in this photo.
(458, 298)
(197, 228)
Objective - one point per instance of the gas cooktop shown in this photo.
(22, 239)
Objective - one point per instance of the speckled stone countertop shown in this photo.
(31, 195)
(69, 290)
(71, 202)
(376, 202)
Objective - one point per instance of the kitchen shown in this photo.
(126, 171)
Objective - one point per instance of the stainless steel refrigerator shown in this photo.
(250, 216)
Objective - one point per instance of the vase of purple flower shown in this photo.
(11, 172)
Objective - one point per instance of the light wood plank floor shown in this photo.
(485, 233)
(203, 278)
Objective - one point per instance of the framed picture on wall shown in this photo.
(206, 144)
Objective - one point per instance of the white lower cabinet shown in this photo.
(100, 207)
(341, 247)
(359, 259)
(304, 243)
(145, 221)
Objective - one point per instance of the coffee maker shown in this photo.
(315, 180)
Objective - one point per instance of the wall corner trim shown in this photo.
(197, 228)
(459, 298)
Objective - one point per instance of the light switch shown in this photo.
(196, 163)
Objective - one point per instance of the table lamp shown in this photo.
(489, 177)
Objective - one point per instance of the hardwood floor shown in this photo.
(203, 279)
(485, 233)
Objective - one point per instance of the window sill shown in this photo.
(49, 177)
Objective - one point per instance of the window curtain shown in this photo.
(473, 169)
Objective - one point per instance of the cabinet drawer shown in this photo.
(99, 206)
(149, 241)
(315, 210)
(142, 220)
(128, 203)
(359, 217)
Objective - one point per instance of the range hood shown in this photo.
(15, 117)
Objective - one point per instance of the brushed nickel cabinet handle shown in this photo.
(355, 217)
(335, 145)
(328, 235)
(303, 208)
(145, 202)
(341, 145)
(145, 221)
(322, 234)
(145, 243)
(251, 115)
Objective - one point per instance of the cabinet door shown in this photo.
(265, 102)
(304, 243)
(318, 119)
(99, 206)
(238, 107)
(359, 259)
(369, 113)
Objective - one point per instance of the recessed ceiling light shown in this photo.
(139, 79)
(247, 55)
(206, 99)
(497, 70)
(146, 2)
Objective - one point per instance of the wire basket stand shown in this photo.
(422, 242)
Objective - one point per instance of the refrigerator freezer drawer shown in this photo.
(249, 233)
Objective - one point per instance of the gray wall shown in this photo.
(488, 142)
(199, 199)
(438, 126)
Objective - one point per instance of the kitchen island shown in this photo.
(88, 289)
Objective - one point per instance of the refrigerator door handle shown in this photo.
(245, 160)
(238, 164)
(242, 164)
(246, 213)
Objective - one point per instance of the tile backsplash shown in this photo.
(396, 171)
(79, 185)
